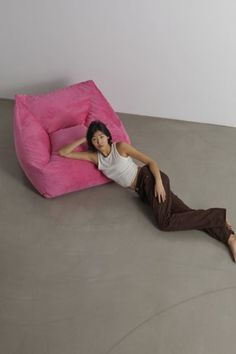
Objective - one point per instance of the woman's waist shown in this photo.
(142, 174)
(134, 183)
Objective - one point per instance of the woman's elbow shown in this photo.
(62, 153)
(151, 162)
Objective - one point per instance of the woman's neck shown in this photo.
(106, 152)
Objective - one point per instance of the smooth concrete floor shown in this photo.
(90, 273)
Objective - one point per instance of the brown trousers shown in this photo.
(173, 214)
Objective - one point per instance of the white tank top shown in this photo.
(119, 168)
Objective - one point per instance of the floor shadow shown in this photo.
(9, 163)
(146, 210)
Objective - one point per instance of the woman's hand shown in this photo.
(160, 191)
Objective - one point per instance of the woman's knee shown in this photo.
(163, 223)
(165, 181)
(164, 177)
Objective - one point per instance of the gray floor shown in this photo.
(89, 272)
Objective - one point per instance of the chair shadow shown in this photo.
(8, 159)
(146, 210)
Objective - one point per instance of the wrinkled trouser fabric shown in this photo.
(173, 214)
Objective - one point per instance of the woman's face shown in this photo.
(99, 140)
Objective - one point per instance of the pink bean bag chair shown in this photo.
(46, 122)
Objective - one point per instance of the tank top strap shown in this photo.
(115, 151)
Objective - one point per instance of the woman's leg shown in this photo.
(173, 214)
(178, 206)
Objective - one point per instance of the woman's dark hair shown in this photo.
(93, 128)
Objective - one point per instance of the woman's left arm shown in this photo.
(152, 164)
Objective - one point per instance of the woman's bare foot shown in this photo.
(228, 225)
(232, 245)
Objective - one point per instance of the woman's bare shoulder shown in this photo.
(122, 148)
(126, 149)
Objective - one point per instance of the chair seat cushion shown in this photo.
(44, 123)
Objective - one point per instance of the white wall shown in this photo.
(166, 58)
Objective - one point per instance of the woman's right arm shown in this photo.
(70, 147)
(67, 151)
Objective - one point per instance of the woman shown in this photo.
(151, 184)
